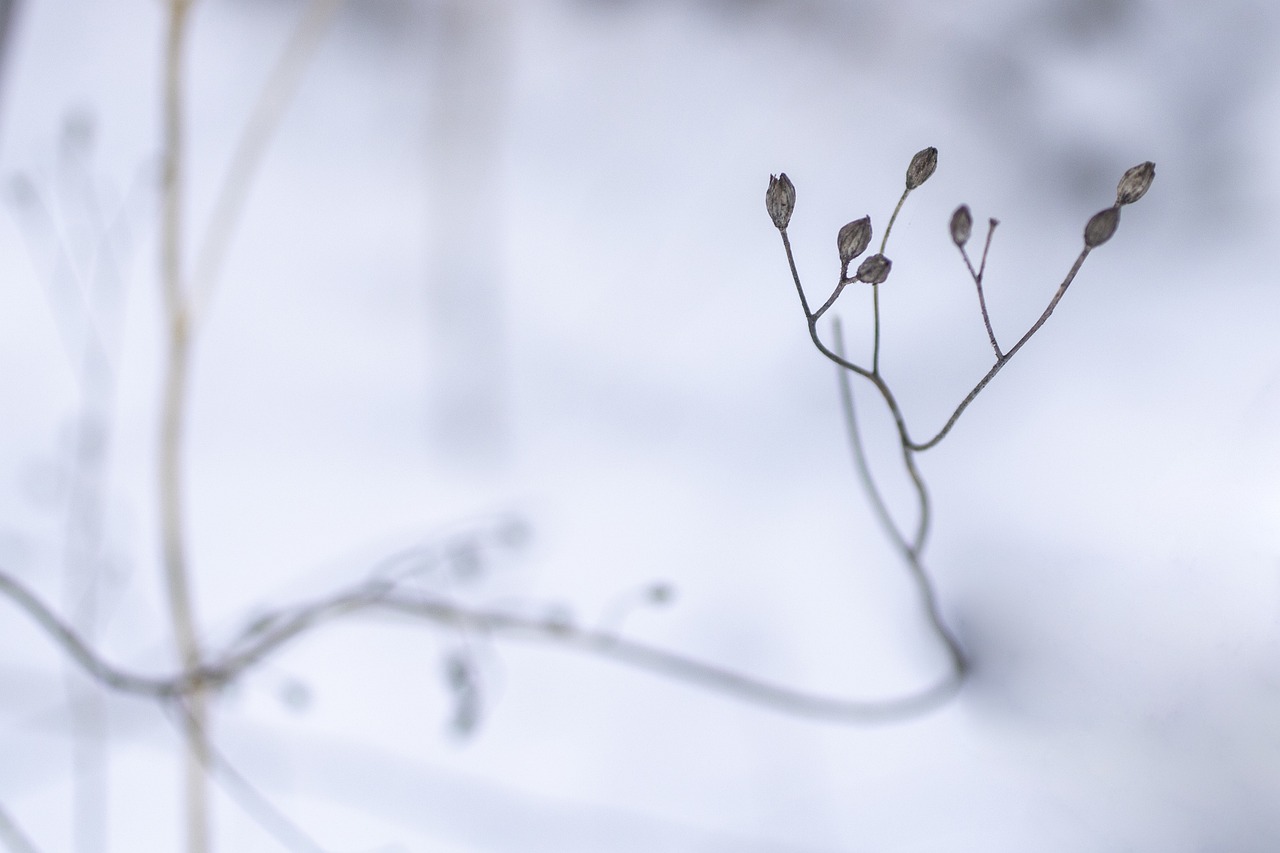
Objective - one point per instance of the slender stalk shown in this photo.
(875, 288)
(977, 280)
(12, 835)
(1006, 358)
(289, 624)
(869, 484)
(252, 147)
(173, 408)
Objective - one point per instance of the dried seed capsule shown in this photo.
(1135, 183)
(922, 166)
(1101, 227)
(853, 239)
(874, 269)
(780, 200)
(961, 225)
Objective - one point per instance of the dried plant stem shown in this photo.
(173, 408)
(911, 550)
(876, 379)
(257, 644)
(875, 288)
(12, 836)
(251, 148)
(977, 280)
(1007, 357)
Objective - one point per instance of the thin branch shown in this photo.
(258, 643)
(911, 552)
(12, 835)
(875, 288)
(263, 122)
(1006, 358)
(173, 407)
(977, 280)
(883, 387)
(81, 653)
(251, 800)
(860, 457)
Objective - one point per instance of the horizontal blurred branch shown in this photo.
(268, 634)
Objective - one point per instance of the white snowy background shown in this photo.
(1107, 515)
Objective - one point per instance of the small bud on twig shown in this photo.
(1135, 183)
(874, 269)
(922, 166)
(853, 239)
(961, 225)
(1101, 227)
(780, 200)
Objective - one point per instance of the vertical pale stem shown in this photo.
(181, 609)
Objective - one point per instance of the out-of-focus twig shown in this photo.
(271, 633)
(275, 96)
(12, 835)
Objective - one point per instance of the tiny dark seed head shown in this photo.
(874, 269)
(1101, 227)
(921, 167)
(961, 225)
(853, 239)
(1135, 183)
(780, 200)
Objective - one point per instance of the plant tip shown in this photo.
(1135, 183)
(961, 225)
(874, 269)
(1101, 226)
(780, 200)
(922, 166)
(853, 240)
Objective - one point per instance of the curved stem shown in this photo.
(977, 280)
(257, 644)
(912, 552)
(883, 387)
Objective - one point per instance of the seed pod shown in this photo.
(1135, 183)
(780, 200)
(1101, 227)
(922, 166)
(874, 269)
(961, 225)
(853, 240)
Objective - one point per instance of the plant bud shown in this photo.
(1101, 227)
(874, 269)
(961, 225)
(853, 239)
(1135, 183)
(922, 166)
(780, 200)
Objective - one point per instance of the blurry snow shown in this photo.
(1107, 515)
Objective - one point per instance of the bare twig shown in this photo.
(977, 280)
(275, 96)
(911, 551)
(259, 642)
(252, 801)
(173, 410)
(1007, 357)
(883, 387)
(12, 835)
